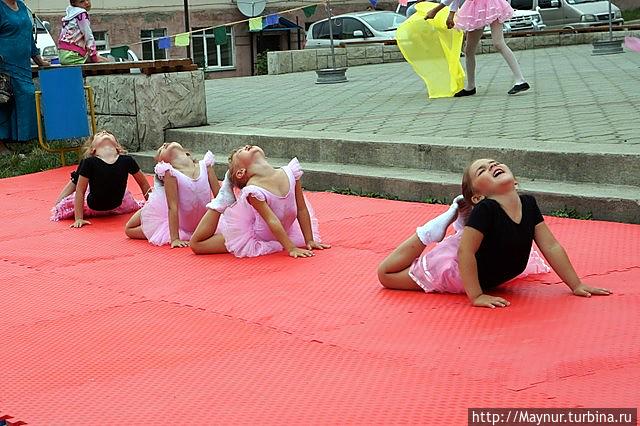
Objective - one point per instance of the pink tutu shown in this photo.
(193, 196)
(246, 234)
(65, 208)
(476, 14)
(437, 270)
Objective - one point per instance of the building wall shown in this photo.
(123, 22)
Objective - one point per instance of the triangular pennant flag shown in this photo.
(374, 3)
(403, 2)
(182, 39)
(255, 24)
(220, 35)
(121, 52)
(272, 20)
(164, 43)
(309, 11)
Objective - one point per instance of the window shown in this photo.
(349, 25)
(102, 40)
(207, 54)
(522, 4)
(150, 49)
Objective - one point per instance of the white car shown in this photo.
(44, 41)
(359, 26)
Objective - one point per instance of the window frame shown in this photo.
(152, 40)
(207, 37)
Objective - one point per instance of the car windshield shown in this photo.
(384, 21)
(581, 1)
(522, 4)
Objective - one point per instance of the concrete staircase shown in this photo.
(603, 180)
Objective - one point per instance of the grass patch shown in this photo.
(30, 158)
(571, 213)
(436, 200)
(631, 15)
(361, 193)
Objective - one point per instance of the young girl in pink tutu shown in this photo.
(104, 172)
(472, 17)
(270, 214)
(179, 199)
(491, 246)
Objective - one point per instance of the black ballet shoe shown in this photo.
(519, 88)
(465, 92)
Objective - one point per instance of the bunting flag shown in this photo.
(403, 3)
(374, 3)
(309, 11)
(255, 24)
(272, 20)
(220, 35)
(164, 43)
(121, 52)
(182, 39)
(433, 50)
(632, 43)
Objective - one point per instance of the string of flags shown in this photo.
(220, 33)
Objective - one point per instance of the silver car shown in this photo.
(351, 27)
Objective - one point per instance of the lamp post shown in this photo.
(611, 46)
(333, 74)
(187, 25)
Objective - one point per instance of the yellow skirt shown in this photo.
(433, 51)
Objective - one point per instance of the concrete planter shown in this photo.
(331, 75)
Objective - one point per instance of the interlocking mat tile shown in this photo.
(99, 329)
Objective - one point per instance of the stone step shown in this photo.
(618, 203)
(616, 164)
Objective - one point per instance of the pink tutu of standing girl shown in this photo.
(474, 14)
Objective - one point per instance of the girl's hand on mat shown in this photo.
(487, 301)
(177, 243)
(586, 291)
(314, 245)
(298, 252)
(79, 223)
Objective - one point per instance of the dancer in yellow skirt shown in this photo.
(433, 50)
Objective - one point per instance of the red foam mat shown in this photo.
(99, 329)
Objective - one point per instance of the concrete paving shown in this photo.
(576, 97)
(573, 140)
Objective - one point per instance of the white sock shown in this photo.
(225, 196)
(464, 210)
(435, 230)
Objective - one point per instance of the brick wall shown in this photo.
(125, 29)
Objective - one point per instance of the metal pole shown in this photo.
(333, 53)
(187, 26)
(610, 24)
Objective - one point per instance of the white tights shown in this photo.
(497, 37)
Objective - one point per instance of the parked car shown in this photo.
(351, 27)
(572, 13)
(522, 20)
(44, 41)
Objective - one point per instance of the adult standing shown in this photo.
(17, 47)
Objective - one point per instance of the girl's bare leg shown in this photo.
(68, 189)
(470, 46)
(133, 228)
(205, 240)
(393, 272)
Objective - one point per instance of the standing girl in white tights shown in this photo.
(472, 17)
